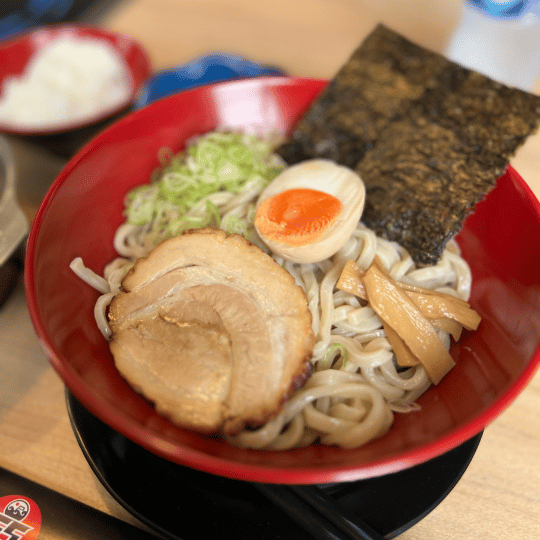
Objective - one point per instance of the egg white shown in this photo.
(326, 176)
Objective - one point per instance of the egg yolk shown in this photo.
(297, 217)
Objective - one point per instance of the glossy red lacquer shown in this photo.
(17, 51)
(84, 206)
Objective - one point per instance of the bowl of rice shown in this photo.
(112, 204)
(60, 84)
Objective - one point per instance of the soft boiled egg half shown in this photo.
(310, 210)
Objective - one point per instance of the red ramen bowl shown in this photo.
(66, 136)
(84, 206)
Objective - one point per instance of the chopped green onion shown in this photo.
(235, 225)
(212, 163)
(342, 350)
(211, 208)
(140, 204)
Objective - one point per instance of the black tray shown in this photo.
(178, 502)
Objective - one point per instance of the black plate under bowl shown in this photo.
(181, 503)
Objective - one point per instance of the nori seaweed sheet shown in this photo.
(428, 137)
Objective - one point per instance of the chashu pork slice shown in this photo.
(211, 330)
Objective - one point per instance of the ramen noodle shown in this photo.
(356, 386)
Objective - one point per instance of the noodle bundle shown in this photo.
(356, 386)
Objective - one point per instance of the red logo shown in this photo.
(20, 518)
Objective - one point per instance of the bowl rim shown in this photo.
(85, 30)
(192, 457)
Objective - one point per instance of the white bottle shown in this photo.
(500, 39)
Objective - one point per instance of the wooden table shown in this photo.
(499, 495)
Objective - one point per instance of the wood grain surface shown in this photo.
(499, 495)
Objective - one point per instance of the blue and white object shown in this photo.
(501, 39)
(202, 70)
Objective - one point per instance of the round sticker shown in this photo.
(20, 518)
